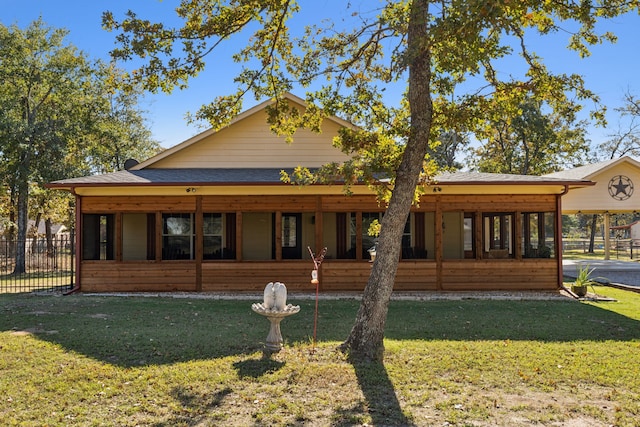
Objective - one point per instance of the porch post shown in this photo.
(238, 235)
(278, 235)
(199, 242)
(439, 236)
(607, 240)
(78, 241)
(319, 233)
(557, 239)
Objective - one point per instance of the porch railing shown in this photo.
(48, 266)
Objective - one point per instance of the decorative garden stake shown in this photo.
(275, 308)
(315, 281)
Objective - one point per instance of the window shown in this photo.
(177, 236)
(367, 219)
(408, 251)
(498, 235)
(469, 233)
(212, 231)
(98, 236)
(538, 234)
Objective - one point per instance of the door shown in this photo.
(291, 236)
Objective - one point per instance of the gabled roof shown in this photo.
(254, 110)
(589, 171)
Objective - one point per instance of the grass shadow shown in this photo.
(379, 392)
(255, 368)
(198, 408)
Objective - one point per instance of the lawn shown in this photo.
(146, 361)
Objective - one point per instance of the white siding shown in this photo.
(597, 198)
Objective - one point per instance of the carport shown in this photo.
(613, 192)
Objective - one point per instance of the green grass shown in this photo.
(127, 361)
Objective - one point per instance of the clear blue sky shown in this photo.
(611, 71)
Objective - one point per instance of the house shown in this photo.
(211, 214)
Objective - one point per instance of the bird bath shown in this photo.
(275, 308)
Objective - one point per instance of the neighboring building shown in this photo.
(628, 231)
(614, 191)
(211, 214)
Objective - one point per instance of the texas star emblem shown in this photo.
(620, 187)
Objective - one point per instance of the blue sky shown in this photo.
(611, 71)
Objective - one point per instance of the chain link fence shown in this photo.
(48, 265)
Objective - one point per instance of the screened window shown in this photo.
(469, 233)
(177, 236)
(498, 235)
(367, 241)
(98, 236)
(538, 234)
(213, 237)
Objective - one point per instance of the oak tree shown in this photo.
(445, 54)
(58, 118)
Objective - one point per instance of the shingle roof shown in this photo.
(582, 172)
(178, 176)
(272, 176)
(503, 178)
(588, 171)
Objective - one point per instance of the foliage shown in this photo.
(43, 105)
(59, 117)
(626, 141)
(447, 147)
(119, 129)
(433, 48)
(584, 276)
(530, 142)
(123, 361)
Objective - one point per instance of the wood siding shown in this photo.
(494, 274)
(144, 276)
(436, 273)
(253, 276)
(335, 276)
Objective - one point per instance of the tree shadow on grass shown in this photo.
(255, 368)
(382, 403)
(153, 331)
(198, 407)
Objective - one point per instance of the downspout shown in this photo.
(78, 240)
(558, 241)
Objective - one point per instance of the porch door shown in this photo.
(291, 236)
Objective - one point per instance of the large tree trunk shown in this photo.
(366, 338)
(23, 218)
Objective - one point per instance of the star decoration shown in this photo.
(620, 187)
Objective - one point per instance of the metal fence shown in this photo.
(48, 266)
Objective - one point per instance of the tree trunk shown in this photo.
(23, 215)
(49, 237)
(34, 238)
(365, 341)
(592, 238)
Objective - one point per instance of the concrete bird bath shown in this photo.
(275, 308)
